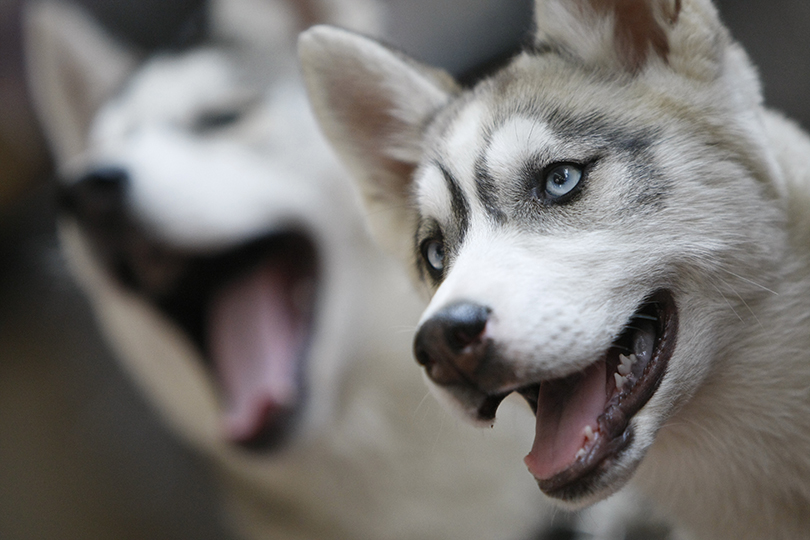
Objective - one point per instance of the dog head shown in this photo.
(206, 219)
(575, 218)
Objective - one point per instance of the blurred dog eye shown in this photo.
(433, 251)
(213, 120)
(562, 180)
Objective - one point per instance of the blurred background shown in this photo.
(81, 455)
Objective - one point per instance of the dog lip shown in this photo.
(581, 476)
(614, 431)
(489, 406)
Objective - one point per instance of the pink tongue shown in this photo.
(255, 342)
(561, 420)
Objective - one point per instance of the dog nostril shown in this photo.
(99, 193)
(465, 322)
(447, 343)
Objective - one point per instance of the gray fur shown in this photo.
(691, 186)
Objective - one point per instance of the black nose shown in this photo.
(98, 196)
(451, 344)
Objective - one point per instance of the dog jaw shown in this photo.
(585, 445)
(623, 386)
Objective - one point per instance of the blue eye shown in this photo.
(562, 180)
(433, 251)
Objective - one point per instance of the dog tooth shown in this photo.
(581, 452)
(589, 434)
(619, 380)
(624, 369)
(627, 362)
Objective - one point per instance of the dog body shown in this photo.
(210, 225)
(614, 227)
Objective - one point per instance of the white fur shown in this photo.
(515, 143)
(463, 140)
(716, 210)
(370, 457)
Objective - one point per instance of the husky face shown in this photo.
(575, 218)
(177, 209)
(205, 218)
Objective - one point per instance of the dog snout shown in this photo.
(97, 196)
(451, 345)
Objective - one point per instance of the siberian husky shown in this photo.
(225, 256)
(614, 227)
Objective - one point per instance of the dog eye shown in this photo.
(217, 119)
(562, 180)
(433, 251)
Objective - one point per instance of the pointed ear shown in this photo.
(373, 105)
(630, 34)
(73, 68)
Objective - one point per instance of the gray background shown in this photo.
(81, 455)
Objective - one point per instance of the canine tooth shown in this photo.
(581, 452)
(628, 361)
(619, 380)
(624, 369)
(589, 434)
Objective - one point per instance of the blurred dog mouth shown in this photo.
(583, 420)
(249, 308)
(250, 312)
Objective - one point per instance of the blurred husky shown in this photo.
(614, 227)
(226, 259)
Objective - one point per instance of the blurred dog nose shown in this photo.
(451, 345)
(99, 195)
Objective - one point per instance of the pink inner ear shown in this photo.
(637, 29)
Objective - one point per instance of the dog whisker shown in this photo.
(419, 405)
(754, 283)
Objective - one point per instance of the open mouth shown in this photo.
(250, 311)
(583, 420)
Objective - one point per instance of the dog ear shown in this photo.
(373, 104)
(630, 34)
(73, 67)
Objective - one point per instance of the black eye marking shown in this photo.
(486, 191)
(458, 202)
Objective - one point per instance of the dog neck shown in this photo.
(743, 439)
